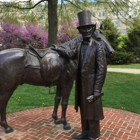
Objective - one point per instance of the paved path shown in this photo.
(133, 71)
(37, 124)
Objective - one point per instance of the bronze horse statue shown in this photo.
(41, 68)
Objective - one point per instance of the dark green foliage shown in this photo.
(122, 57)
(125, 49)
(134, 37)
(110, 32)
(121, 43)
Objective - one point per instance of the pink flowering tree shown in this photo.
(67, 31)
(13, 36)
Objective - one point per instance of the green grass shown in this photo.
(28, 96)
(132, 66)
(122, 91)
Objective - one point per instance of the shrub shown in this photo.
(110, 32)
(122, 58)
(13, 36)
(134, 37)
(67, 31)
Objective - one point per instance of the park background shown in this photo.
(24, 23)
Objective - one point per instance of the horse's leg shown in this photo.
(3, 121)
(66, 89)
(56, 104)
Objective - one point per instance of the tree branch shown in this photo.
(14, 6)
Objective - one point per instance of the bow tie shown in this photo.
(86, 42)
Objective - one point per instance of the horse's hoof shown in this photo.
(66, 127)
(58, 121)
(9, 130)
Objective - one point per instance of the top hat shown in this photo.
(84, 18)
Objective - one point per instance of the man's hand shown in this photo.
(54, 47)
(94, 97)
(60, 50)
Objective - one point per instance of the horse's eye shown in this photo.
(101, 32)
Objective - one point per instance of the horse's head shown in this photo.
(100, 38)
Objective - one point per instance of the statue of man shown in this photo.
(90, 78)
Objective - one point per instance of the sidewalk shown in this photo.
(133, 71)
(37, 124)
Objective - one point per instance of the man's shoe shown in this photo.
(93, 138)
(80, 137)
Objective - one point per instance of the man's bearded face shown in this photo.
(86, 31)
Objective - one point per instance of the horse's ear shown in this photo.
(101, 26)
(95, 26)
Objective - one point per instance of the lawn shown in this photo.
(121, 91)
(132, 66)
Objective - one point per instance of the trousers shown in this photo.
(90, 127)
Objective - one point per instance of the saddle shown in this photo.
(40, 52)
(47, 60)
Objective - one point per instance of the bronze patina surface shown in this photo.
(41, 68)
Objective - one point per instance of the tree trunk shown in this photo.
(52, 22)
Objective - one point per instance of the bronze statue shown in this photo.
(35, 67)
(91, 73)
(41, 67)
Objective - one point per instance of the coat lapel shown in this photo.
(88, 52)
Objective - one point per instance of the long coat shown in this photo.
(90, 78)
